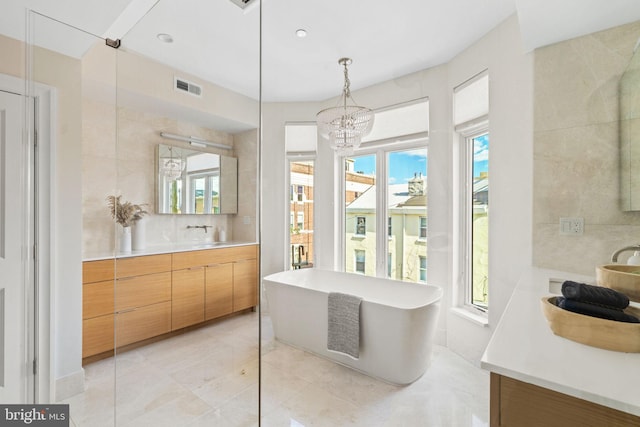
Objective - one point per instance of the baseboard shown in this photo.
(70, 385)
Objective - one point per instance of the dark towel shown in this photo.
(595, 310)
(594, 295)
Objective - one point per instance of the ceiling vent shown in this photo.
(183, 85)
(243, 4)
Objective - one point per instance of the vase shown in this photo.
(139, 240)
(125, 240)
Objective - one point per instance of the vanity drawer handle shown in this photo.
(122, 279)
(126, 310)
(196, 268)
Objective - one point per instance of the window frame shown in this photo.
(467, 133)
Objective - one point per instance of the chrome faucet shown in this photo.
(614, 257)
(204, 227)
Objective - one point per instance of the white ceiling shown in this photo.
(216, 41)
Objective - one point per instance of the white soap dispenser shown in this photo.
(635, 259)
(223, 238)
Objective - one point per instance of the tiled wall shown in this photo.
(576, 150)
(127, 166)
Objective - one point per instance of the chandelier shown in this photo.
(172, 167)
(345, 124)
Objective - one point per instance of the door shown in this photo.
(14, 285)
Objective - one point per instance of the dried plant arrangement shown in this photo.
(125, 213)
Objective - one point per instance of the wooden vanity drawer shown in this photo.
(141, 265)
(236, 253)
(97, 335)
(97, 271)
(144, 290)
(97, 299)
(182, 260)
(142, 323)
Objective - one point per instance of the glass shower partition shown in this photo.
(151, 321)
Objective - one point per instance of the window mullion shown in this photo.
(381, 213)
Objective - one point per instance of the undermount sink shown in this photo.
(621, 277)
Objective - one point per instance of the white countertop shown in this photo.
(523, 347)
(166, 248)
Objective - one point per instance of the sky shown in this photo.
(403, 164)
(480, 154)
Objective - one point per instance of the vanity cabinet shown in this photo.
(125, 301)
(226, 282)
(516, 403)
(132, 299)
(97, 307)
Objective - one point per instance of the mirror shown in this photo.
(630, 135)
(195, 182)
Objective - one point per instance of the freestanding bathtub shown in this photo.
(397, 319)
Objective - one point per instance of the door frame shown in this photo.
(38, 303)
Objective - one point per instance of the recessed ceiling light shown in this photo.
(165, 37)
(301, 33)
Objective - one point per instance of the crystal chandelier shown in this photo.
(345, 124)
(172, 167)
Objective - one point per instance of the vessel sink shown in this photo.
(621, 277)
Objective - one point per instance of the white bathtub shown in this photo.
(397, 319)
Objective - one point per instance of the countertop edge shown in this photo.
(166, 249)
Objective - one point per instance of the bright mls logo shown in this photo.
(34, 415)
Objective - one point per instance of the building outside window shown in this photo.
(361, 226)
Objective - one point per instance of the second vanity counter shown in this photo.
(524, 349)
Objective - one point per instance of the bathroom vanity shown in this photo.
(131, 298)
(540, 379)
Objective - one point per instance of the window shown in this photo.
(361, 226)
(471, 121)
(423, 227)
(301, 213)
(390, 210)
(478, 215)
(360, 260)
(384, 191)
(423, 269)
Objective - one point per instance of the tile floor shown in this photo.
(209, 377)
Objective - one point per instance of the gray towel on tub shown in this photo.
(344, 324)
